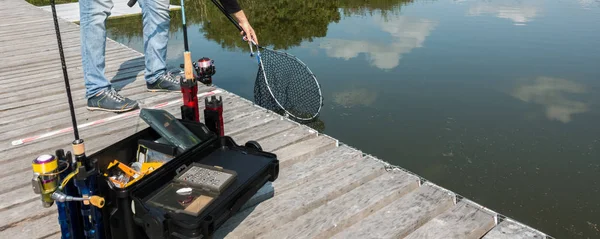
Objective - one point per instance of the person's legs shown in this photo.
(100, 95)
(156, 22)
(93, 14)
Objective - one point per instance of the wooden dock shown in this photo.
(325, 189)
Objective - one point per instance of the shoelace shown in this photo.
(115, 96)
(169, 76)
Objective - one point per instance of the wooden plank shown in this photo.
(31, 21)
(40, 49)
(509, 229)
(53, 70)
(243, 112)
(66, 33)
(115, 74)
(73, 63)
(78, 96)
(39, 44)
(36, 228)
(27, 211)
(338, 214)
(42, 26)
(113, 69)
(35, 148)
(25, 10)
(301, 151)
(60, 120)
(24, 21)
(298, 174)
(58, 113)
(44, 55)
(90, 133)
(12, 197)
(262, 131)
(35, 33)
(462, 221)
(47, 102)
(39, 28)
(402, 216)
(292, 204)
(288, 137)
(144, 103)
(53, 236)
(70, 53)
(253, 119)
(23, 18)
(121, 78)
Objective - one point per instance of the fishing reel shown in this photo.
(205, 69)
(49, 179)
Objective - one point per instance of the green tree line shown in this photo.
(280, 24)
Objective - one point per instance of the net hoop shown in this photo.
(312, 75)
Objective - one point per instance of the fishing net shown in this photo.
(284, 84)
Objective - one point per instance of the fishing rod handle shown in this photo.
(188, 68)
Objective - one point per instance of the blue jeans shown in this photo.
(93, 15)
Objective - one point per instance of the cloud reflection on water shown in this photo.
(407, 33)
(517, 11)
(552, 94)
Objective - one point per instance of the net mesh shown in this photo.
(293, 88)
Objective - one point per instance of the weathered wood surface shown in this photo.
(336, 215)
(509, 229)
(424, 204)
(324, 190)
(70, 11)
(463, 221)
(289, 205)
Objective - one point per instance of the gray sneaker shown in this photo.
(169, 82)
(110, 100)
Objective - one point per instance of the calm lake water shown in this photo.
(495, 100)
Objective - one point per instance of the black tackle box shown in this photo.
(152, 206)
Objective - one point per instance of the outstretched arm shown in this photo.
(232, 7)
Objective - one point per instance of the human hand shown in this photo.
(250, 34)
(246, 27)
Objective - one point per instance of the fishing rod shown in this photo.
(53, 182)
(189, 85)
